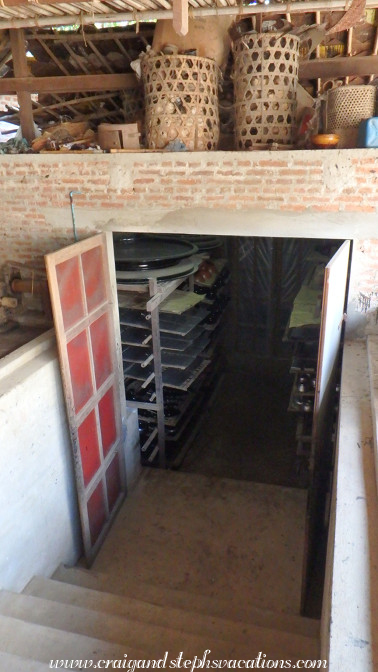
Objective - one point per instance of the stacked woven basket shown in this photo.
(347, 106)
(265, 81)
(181, 100)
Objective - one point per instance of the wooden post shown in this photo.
(181, 17)
(20, 69)
(318, 81)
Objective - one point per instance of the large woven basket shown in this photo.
(181, 101)
(265, 84)
(347, 106)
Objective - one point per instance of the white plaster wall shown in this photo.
(39, 520)
(38, 513)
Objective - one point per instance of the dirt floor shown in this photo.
(247, 432)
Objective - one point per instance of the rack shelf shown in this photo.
(136, 372)
(176, 324)
(199, 345)
(150, 439)
(176, 360)
(178, 342)
(142, 356)
(182, 380)
(132, 318)
(134, 336)
(165, 342)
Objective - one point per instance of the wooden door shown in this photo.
(332, 318)
(84, 301)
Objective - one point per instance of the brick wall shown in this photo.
(304, 193)
(12, 101)
(35, 215)
(8, 100)
(345, 180)
(293, 181)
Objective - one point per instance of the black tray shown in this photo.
(149, 252)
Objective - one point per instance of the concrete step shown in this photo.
(41, 643)
(12, 663)
(182, 620)
(163, 596)
(153, 639)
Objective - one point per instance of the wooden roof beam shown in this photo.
(333, 68)
(69, 84)
(181, 17)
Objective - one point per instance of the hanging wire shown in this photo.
(71, 194)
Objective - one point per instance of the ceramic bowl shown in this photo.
(325, 140)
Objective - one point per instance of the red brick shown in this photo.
(273, 164)
(293, 207)
(360, 208)
(326, 207)
(144, 180)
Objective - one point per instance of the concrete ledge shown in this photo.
(351, 608)
(372, 349)
(26, 353)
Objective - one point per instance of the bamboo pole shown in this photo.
(89, 19)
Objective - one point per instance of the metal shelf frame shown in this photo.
(171, 350)
(158, 292)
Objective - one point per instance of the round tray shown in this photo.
(204, 242)
(142, 276)
(149, 252)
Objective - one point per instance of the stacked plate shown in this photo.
(203, 242)
(139, 258)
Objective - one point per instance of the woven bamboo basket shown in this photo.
(265, 83)
(181, 101)
(347, 106)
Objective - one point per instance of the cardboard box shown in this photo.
(207, 35)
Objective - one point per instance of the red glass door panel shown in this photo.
(80, 370)
(107, 421)
(89, 447)
(101, 349)
(82, 288)
(94, 285)
(96, 512)
(113, 482)
(71, 298)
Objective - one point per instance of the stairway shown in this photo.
(120, 607)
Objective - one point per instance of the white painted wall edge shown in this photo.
(351, 606)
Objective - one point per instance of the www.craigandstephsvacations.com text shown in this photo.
(260, 662)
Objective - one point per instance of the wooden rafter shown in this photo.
(69, 38)
(332, 68)
(70, 84)
(51, 55)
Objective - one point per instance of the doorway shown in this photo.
(269, 341)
